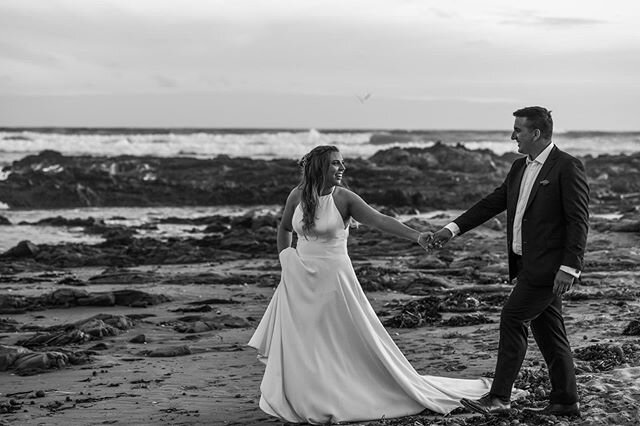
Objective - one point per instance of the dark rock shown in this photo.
(121, 322)
(61, 338)
(138, 298)
(27, 362)
(99, 347)
(202, 308)
(73, 281)
(214, 300)
(140, 338)
(97, 299)
(632, 329)
(65, 297)
(440, 156)
(93, 328)
(22, 249)
(198, 324)
(468, 319)
(61, 221)
(68, 297)
(115, 275)
(442, 176)
(9, 354)
(118, 237)
(169, 352)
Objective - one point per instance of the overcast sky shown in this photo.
(457, 64)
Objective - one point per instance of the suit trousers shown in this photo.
(538, 307)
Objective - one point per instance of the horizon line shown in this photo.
(281, 128)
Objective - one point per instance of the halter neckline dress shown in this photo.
(328, 357)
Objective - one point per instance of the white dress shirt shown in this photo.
(531, 172)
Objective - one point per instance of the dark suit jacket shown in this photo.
(555, 221)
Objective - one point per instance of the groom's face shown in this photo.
(525, 136)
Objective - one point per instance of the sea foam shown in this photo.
(269, 144)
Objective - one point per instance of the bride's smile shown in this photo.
(335, 170)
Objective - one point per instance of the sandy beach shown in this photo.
(96, 335)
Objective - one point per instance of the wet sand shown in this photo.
(208, 376)
(150, 331)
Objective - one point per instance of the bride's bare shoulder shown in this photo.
(295, 196)
(344, 199)
(344, 194)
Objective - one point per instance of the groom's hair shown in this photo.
(537, 118)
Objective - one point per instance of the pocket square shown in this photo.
(544, 182)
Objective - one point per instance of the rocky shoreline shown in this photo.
(154, 330)
(442, 176)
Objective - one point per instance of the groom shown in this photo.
(546, 197)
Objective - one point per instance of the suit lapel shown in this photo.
(544, 171)
(514, 190)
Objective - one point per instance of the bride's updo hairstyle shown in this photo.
(314, 166)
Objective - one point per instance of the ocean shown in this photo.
(280, 143)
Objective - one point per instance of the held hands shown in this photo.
(440, 238)
(424, 239)
(429, 241)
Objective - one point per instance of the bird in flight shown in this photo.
(363, 98)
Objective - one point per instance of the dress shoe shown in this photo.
(558, 410)
(488, 404)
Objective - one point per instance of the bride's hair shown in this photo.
(314, 166)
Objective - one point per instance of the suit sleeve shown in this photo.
(575, 203)
(483, 210)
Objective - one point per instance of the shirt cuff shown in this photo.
(570, 270)
(454, 228)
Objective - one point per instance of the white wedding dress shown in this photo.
(328, 357)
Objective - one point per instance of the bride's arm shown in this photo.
(364, 213)
(285, 227)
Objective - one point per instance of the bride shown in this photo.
(328, 357)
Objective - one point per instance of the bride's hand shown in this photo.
(426, 240)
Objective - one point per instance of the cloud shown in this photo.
(21, 53)
(165, 82)
(553, 21)
(495, 51)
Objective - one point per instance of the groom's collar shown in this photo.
(542, 157)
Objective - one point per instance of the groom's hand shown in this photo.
(441, 238)
(562, 283)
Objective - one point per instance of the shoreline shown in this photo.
(440, 176)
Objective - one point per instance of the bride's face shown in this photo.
(333, 175)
